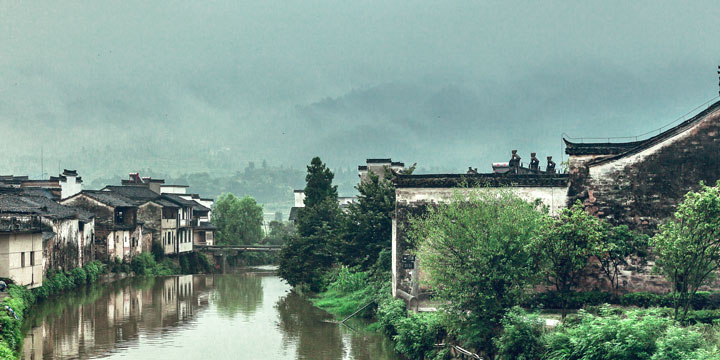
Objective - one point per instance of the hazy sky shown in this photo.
(441, 83)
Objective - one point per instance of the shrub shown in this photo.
(417, 334)
(521, 337)
(575, 300)
(143, 264)
(389, 313)
(641, 299)
(347, 281)
(78, 276)
(679, 344)
(631, 335)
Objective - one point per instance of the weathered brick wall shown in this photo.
(643, 189)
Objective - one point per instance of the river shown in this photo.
(248, 315)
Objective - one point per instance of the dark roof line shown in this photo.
(622, 149)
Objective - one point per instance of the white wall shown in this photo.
(69, 187)
(12, 248)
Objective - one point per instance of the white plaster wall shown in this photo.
(299, 199)
(70, 187)
(12, 248)
(164, 189)
(553, 197)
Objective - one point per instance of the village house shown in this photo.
(118, 232)
(21, 244)
(69, 234)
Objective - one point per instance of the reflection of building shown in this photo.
(120, 314)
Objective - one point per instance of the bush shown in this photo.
(78, 276)
(521, 337)
(143, 264)
(389, 313)
(679, 344)
(347, 281)
(575, 300)
(417, 334)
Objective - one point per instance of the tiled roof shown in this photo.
(109, 198)
(179, 200)
(138, 193)
(21, 203)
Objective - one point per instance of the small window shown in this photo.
(22, 259)
(32, 258)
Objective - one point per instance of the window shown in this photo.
(32, 258)
(22, 259)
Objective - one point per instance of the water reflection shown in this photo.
(238, 294)
(249, 316)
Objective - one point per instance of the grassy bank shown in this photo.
(14, 307)
(634, 331)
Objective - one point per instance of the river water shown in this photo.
(248, 315)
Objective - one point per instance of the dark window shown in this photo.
(22, 259)
(32, 258)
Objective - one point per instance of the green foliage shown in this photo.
(367, 226)
(389, 313)
(239, 221)
(565, 247)
(278, 233)
(688, 247)
(610, 336)
(417, 334)
(617, 245)
(521, 337)
(145, 264)
(474, 251)
(21, 299)
(633, 334)
(308, 254)
(574, 300)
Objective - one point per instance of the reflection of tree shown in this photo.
(308, 327)
(238, 294)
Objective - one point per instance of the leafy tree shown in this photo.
(688, 246)
(617, 245)
(565, 246)
(367, 226)
(308, 254)
(278, 233)
(474, 251)
(239, 221)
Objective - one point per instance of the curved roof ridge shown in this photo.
(622, 149)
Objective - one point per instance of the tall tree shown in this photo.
(566, 245)
(308, 254)
(688, 246)
(239, 221)
(474, 251)
(367, 226)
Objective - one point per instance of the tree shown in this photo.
(688, 246)
(308, 254)
(474, 252)
(239, 221)
(617, 245)
(565, 247)
(278, 233)
(367, 226)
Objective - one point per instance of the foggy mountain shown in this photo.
(207, 88)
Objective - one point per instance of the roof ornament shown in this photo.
(514, 162)
(534, 163)
(550, 169)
